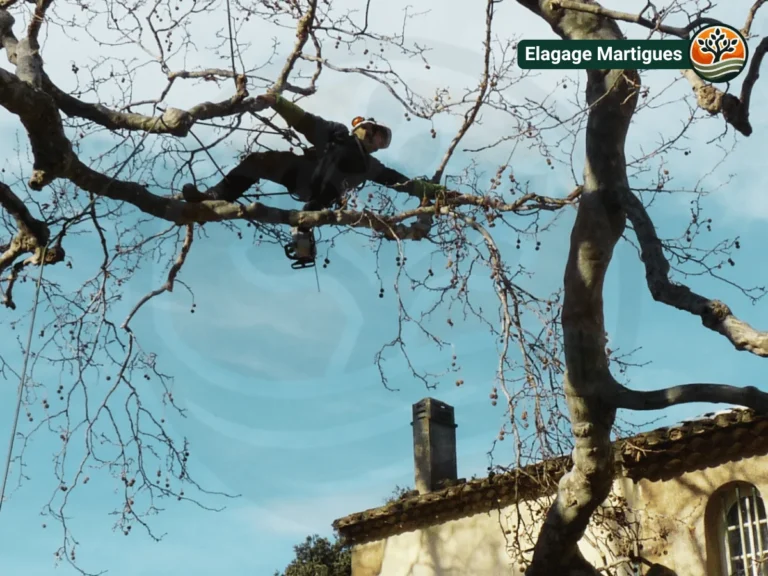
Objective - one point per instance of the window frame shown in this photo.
(754, 562)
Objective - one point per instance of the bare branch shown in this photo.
(753, 73)
(734, 110)
(51, 149)
(303, 29)
(32, 238)
(54, 158)
(183, 213)
(27, 224)
(747, 28)
(8, 40)
(471, 114)
(172, 273)
(748, 396)
(714, 314)
(561, 349)
(37, 21)
(172, 121)
(655, 24)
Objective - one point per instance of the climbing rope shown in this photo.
(22, 379)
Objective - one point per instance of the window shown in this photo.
(743, 532)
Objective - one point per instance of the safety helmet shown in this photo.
(360, 122)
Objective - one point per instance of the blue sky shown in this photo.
(285, 407)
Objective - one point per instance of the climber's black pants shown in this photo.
(290, 170)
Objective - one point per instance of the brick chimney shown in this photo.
(434, 444)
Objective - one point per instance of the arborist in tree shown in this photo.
(338, 162)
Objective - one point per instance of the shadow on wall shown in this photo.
(439, 552)
(452, 550)
(434, 555)
(368, 561)
(690, 509)
(659, 570)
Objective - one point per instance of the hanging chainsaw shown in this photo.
(301, 249)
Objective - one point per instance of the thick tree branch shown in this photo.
(753, 73)
(173, 121)
(29, 63)
(735, 110)
(747, 396)
(26, 223)
(651, 24)
(32, 238)
(8, 40)
(51, 149)
(714, 314)
(25, 55)
(54, 158)
(183, 213)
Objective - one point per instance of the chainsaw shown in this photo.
(301, 249)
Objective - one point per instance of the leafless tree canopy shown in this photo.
(100, 152)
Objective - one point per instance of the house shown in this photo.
(687, 501)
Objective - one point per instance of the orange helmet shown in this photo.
(360, 122)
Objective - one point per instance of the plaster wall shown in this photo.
(677, 527)
(478, 545)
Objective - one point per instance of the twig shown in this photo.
(471, 115)
(172, 273)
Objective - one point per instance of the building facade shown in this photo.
(687, 501)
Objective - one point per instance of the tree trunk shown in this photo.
(612, 96)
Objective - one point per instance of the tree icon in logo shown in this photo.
(717, 44)
(718, 53)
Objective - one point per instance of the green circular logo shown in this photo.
(718, 53)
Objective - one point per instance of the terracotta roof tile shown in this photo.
(660, 454)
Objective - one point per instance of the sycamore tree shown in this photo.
(95, 149)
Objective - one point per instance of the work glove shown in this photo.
(426, 189)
